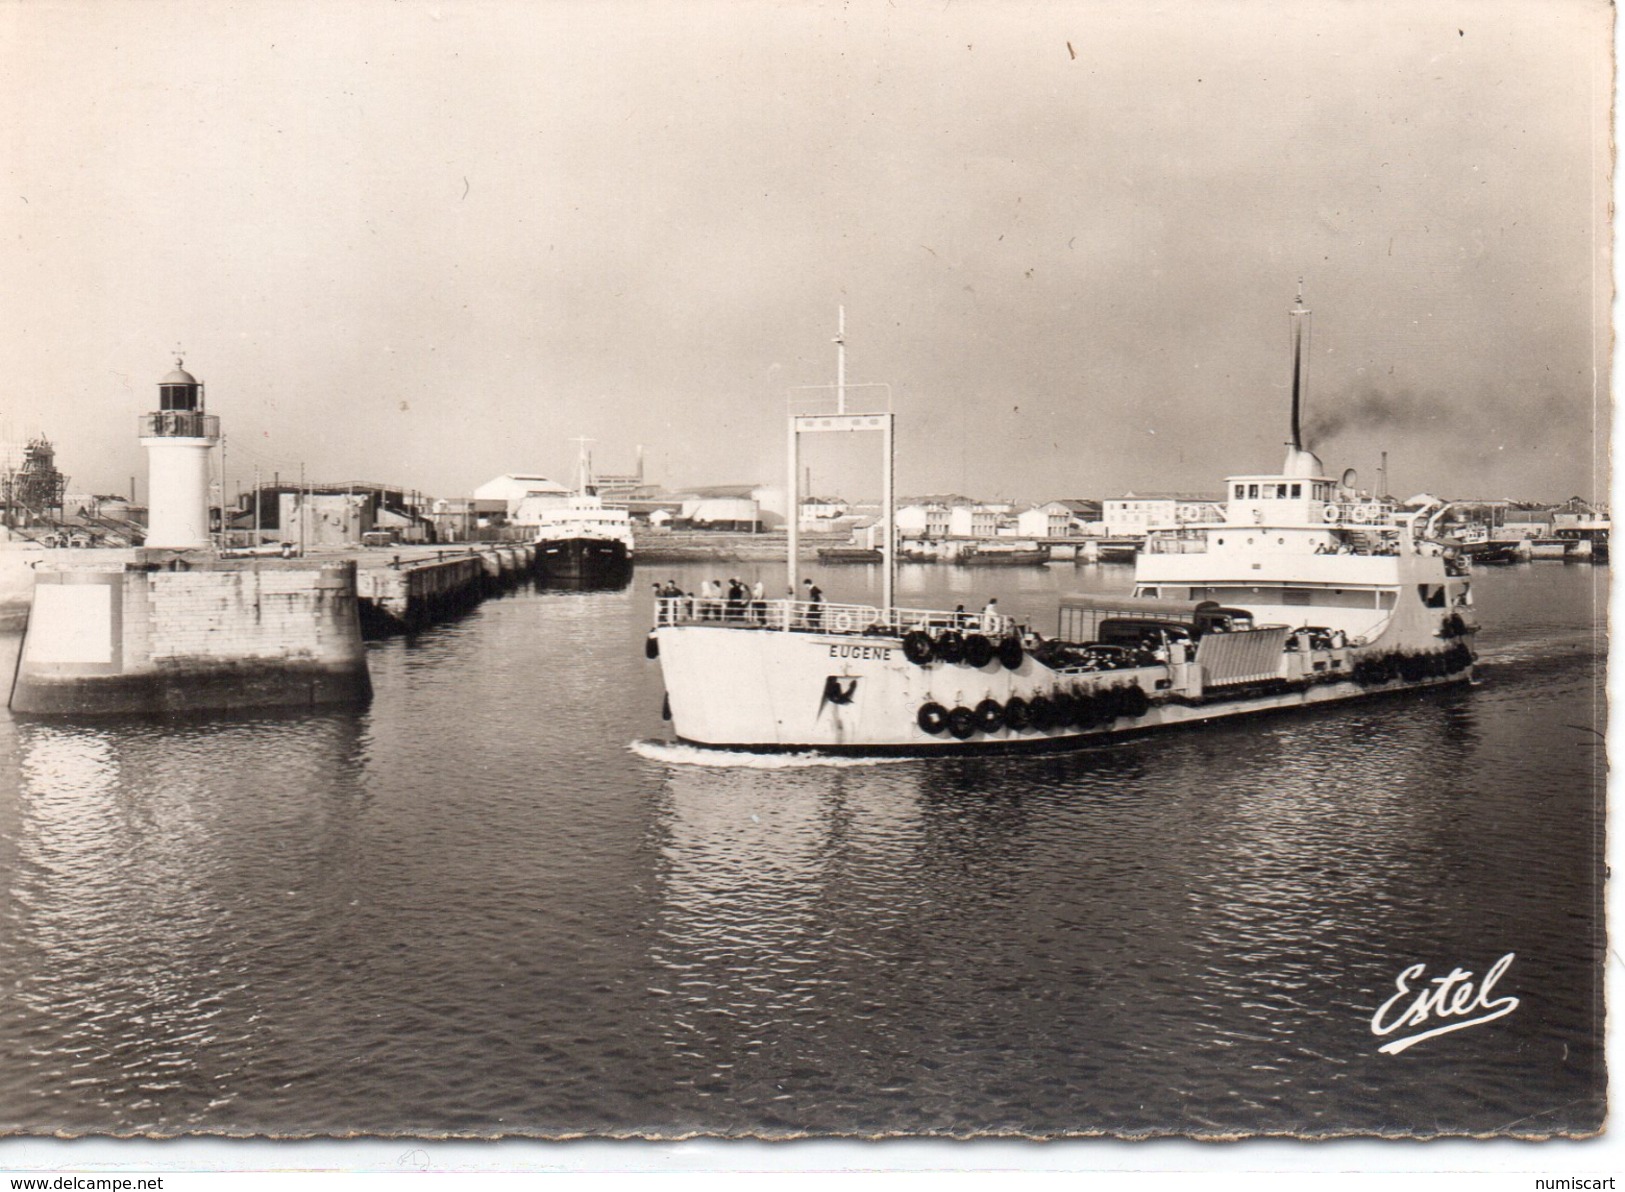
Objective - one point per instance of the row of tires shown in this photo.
(950, 645)
(1413, 667)
(1041, 713)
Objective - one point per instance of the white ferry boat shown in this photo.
(1306, 593)
(580, 539)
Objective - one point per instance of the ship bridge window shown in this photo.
(1241, 492)
(1252, 491)
(1297, 490)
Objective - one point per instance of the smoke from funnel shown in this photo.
(1371, 409)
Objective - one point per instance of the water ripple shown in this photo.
(475, 908)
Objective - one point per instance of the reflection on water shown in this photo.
(497, 901)
(125, 902)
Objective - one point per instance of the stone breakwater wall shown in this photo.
(143, 632)
(175, 635)
(409, 593)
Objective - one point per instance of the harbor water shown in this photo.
(498, 901)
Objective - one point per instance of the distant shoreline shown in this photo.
(690, 546)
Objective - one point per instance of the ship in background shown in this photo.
(1306, 593)
(580, 541)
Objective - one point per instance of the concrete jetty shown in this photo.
(408, 589)
(159, 631)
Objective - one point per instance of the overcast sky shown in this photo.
(430, 243)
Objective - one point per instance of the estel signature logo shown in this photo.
(1452, 997)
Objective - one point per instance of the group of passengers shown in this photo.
(988, 622)
(714, 603)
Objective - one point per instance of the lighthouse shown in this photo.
(179, 437)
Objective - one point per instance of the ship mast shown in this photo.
(583, 465)
(1299, 315)
(1300, 461)
(840, 361)
(842, 422)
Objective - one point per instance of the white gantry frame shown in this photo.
(883, 421)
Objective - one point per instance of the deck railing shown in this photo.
(805, 616)
(1366, 514)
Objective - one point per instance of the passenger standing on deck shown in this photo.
(990, 616)
(815, 599)
(736, 599)
(758, 602)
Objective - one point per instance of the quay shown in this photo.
(409, 588)
(139, 631)
(158, 632)
(713, 546)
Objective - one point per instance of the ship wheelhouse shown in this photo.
(1298, 548)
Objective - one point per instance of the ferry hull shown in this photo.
(583, 560)
(764, 690)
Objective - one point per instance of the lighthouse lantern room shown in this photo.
(179, 437)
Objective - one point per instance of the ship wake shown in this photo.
(676, 754)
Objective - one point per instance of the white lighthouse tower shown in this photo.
(179, 437)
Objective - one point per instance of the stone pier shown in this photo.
(406, 592)
(154, 632)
